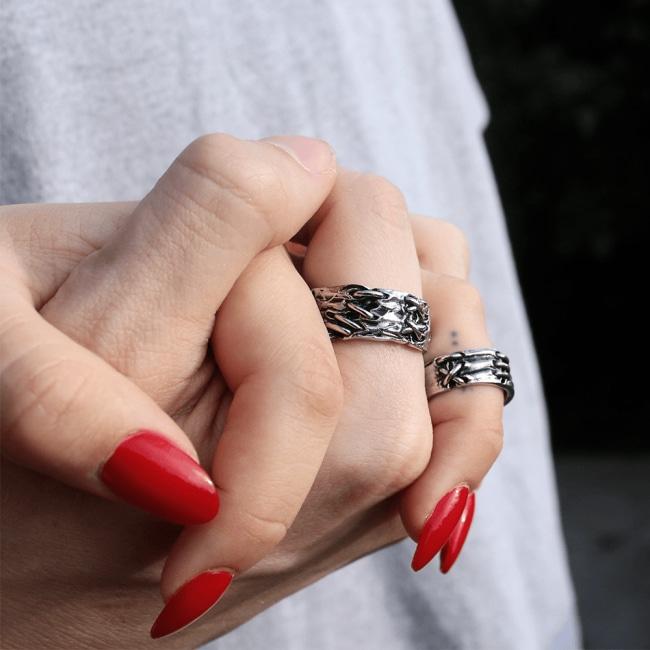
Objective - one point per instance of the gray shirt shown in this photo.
(98, 98)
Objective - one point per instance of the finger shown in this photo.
(441, 246)
(67, 233)
(275, 355)
(362, 235)
(467, 422)
(68, 414)
(453, 256)
(178, 255)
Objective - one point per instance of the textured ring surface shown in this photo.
(467, 367)
(356, 311)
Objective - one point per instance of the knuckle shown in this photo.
(383, 199)
(208, 151)
(206, 144)
(469, 296)
(391, 463)
(226, 181)
(451, 236)
(267, 530)
(455, 238)
(410, 458)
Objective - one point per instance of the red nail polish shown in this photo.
(451, 550)
(150, 472)
(192, 600)
(439, 525)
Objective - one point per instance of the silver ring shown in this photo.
(467, 367)
(355, 311)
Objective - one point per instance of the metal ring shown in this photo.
(356, 311)
(467, 367)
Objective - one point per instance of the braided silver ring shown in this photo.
(356, 311)
(468, 367)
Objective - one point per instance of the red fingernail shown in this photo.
(439, 526)
(192, 600)
(152, 473)
(451, 550)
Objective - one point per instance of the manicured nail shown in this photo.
(451, 550)
(314, 155)
(439, 525)
(191, 601)
(148, 471)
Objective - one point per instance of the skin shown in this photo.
(307, 485)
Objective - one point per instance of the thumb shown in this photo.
(66, 413)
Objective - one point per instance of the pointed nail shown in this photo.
(451, 550)
(148, 471)
(439, 525)
(191, 601)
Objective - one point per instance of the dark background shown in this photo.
(567, 84)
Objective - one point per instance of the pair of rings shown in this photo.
(356, 311)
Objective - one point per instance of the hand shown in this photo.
(379, 479)
(363, 543)
(160, 279)
(175, 255)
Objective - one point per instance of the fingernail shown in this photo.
(439, 525)
(451, 550)
(191, 601)
(314, 155)
(148, 471)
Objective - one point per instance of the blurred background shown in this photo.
(567, 85)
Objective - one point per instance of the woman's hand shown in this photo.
(144, 302)
(381, 445)
(139, 286)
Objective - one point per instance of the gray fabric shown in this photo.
(97, 99)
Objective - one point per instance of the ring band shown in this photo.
(356, 311)
(467, 367)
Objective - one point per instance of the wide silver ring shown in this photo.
(355, 311)
(467, 368)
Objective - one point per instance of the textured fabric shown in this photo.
(98, 98)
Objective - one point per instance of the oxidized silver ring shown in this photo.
(466, 368)
(355, 311)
